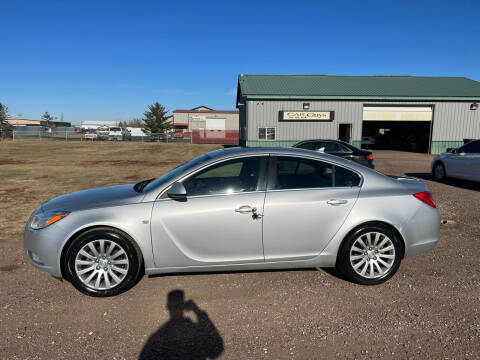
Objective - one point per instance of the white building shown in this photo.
(86, 125)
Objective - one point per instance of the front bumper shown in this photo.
(43, 248)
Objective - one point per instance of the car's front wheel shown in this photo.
(371, 255)
(103, 262)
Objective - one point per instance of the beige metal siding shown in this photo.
(455, 121)
(452, 121)
(231, 120)
(266, 113)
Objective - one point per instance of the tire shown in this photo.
(351, 262)
(438, 171)
(103, 271)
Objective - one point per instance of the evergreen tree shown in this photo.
(48, 119)
(155, 119)
(5, 127)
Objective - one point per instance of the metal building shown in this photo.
(206, 125)
(423, 114)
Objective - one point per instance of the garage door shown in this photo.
(404, 128)
(400, 113)
(215, 124)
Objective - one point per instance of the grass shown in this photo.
(33, 171)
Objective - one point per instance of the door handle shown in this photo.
(336, 202)
(245, 209)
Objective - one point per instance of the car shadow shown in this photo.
(182, 338)
(331, 271)
(464, 184)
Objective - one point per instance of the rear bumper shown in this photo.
(422, 231)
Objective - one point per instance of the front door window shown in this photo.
(228, 177)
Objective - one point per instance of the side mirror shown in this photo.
(177, 191)
(322, 149)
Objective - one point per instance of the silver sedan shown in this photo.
(235, 209)
(461, 163)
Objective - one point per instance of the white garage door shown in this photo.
(397, 113)
(215, 124)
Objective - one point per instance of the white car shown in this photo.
(461, 163)
(115, 133)
(90, 135)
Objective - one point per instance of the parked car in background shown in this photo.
(235, 209)
(459, 163)
(90, 135)
(127, 135)
(103, 132)
(338, 148)
(118, 134)
(136, 131)
(369, 139)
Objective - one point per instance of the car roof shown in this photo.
(240, 151)
(350, 146)
(330, 140)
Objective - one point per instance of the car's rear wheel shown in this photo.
(103, 262)
(438, 171)
(371, 255)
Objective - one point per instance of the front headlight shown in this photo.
(42, 220)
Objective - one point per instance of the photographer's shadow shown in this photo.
(182, 338)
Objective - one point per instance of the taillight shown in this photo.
(426, 197)
(370, 157)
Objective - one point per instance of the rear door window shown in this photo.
(472, 147)
(346, 178)
(310, 145)
(299, 173)
(329, 147)
(295, 173)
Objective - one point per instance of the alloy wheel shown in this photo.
(372, 255)
(101, 264)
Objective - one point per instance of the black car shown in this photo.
(338, 148)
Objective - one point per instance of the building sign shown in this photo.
(196, 117)
(306, 115)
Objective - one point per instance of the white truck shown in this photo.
(114, 133)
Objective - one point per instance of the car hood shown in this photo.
(94, 198)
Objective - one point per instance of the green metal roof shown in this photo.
(357, 87)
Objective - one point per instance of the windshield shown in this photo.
(176, 172)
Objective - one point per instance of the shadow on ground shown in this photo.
(464, 184)
(182, 338)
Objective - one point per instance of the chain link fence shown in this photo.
(69, 134)
(200, 136)
(40, 133)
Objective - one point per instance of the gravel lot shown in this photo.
(430, 309)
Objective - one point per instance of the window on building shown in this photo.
(266, 133)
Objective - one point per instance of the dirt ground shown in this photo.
(430, 309)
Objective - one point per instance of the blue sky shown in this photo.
(107, 60)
